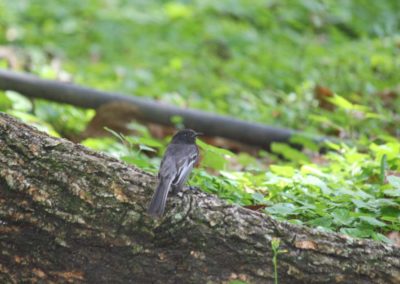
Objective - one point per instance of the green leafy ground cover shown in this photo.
(257, 60)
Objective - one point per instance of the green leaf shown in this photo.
(381, 202)
(286, 171)
(35, 121)
(394, 181)
(259, 198)
(289, 152)
(325, 221)
(5, 102)
(246, 160)
(343, 103)
(392, 192)
(177, 10)
(295, 221)
(98, 143)
(216, 150)
(275, 243)
(360, 204)
(19, 102)
(304, 141)
(391, 149)
(137, 161)
(342, 217)
(150, 142)
(383, 168)
(357, 232)
(331, 145)
(146, 148)
(120, 136)
(372, 221)
(381, 238)
(390, 219)
(213, 161)
(214, 157)
(317, 182)
(282, 209)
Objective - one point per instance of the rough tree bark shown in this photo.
(68, 214)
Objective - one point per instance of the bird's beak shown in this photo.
(199, 134)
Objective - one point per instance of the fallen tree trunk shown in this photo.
(147, 110)
(68, 214)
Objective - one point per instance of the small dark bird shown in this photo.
(178, 161)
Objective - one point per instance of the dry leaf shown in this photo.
(321, 94)
(255, 207)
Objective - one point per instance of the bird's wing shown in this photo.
(178, 162)
(185, 166)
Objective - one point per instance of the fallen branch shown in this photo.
(71, 214)
(147, 110)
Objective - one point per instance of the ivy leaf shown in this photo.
(325, 222)
(286, 171)
(372, 221)
(289, 152)
(282, 209)
(394, 181)
(357, 232)
(342, 217)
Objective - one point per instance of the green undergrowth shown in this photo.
(246, 59)
(261, 62)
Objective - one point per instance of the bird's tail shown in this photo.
(157, 204)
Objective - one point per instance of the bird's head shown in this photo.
(185, 136)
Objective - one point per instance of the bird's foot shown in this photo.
(181, 192)
(193, 188)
